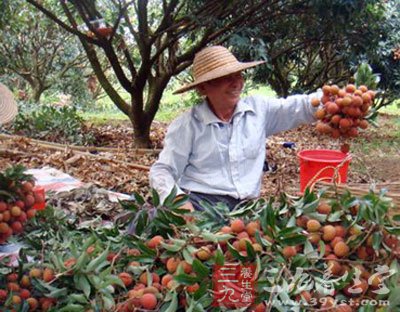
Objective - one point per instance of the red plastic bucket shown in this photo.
(319, 165)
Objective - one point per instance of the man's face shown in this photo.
(225, 90)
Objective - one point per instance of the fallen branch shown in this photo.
(80, 148)
(7, 152)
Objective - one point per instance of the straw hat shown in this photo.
(8, 107)
(214, 62)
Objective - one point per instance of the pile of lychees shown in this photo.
(17, 201)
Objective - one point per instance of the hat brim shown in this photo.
(8, 107)
(218, 73)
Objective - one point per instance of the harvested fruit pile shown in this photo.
(310, 253)
(17, 200)
(343, 111)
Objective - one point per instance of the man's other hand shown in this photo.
(188, 206)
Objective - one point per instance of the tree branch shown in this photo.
(142, 20)
(108, 88)
(116, 65)
(166, 21)
(61, 23)
(134, 33)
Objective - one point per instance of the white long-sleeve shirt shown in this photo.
(204, 154)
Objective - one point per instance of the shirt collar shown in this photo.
(203, 112)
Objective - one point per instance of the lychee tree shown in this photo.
(325, 42)
(149, 42)
(39, 54)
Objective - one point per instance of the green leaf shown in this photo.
(396, 218)
(310, 207)
(376, 240)
(342, 283)
(90, 241)
(155, 198)
(93, 264)
(83, 284)
(335, 216)
(270, 215)
(41, 286)
(142, 222)
(219, 257)
(258, 265)
(294, 240)
(139, 199)
(173, 306)
(169, 200)
(194, 229)
(101, 266)
(174, 303)
(317, 216)
(24, 307)
(187, 255)
(299, 261)
(261, 240)
(366, 308)
(186, 279)
(58, 293)
(128, 205)
(58, 262)
(78, 298)
(145, 250)
(251, 254)
(249, 207)
(292, 222)
(174, 245)
(191, 303)
(162, 226)
(72, 308)
(6, 194)
(175, 216)
(179, 202)
(289, 230)
(108, 302)
(200, 269)
(236, 254)
(168, 218)
(393, 230)
(308, 248)
(112, 280)
(214, 213)
(82, 260)
(322, 248)
(202, 291)
(215, 238)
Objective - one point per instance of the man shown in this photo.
(8, 107)
(215, 151)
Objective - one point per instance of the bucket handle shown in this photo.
(336, 175)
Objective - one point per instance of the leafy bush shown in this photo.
(61, 124)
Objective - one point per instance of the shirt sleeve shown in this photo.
(284, 114)
(173, 159)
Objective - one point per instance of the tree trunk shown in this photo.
(141, 133)
(142, 115)
(37, 92)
